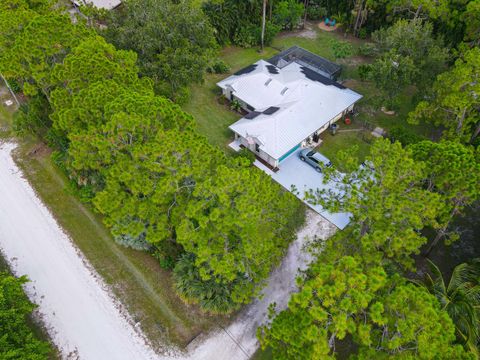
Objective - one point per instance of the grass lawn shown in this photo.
(212, 117)
(332, 144)
(135, 277)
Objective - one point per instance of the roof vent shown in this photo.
(284, 91)
(268, 82)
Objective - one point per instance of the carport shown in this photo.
(294, 172)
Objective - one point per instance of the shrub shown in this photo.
(364, 71)
(250, 34)
(341, 49)
(404, 136)
(244, 152)
(219, 67)
(246, 36)
(137, 243)
(14, 85)
(287, 13)
(214, 295)
(316, 12)
(362, 34)
(367, 49)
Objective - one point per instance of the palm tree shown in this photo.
(460, 298)
(264, 15)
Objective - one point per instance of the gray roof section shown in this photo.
(307, 59)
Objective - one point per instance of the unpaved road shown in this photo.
(81, 316)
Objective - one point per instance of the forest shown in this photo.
(111, 94)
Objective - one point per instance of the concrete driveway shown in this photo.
(294, 171)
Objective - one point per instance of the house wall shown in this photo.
(261, 154)
(230, 96)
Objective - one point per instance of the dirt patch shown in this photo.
(350, 83)
(309, 32)
(40, 150)
(354, 60)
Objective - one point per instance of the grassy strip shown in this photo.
(135, 277)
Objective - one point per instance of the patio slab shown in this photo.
(295, 172)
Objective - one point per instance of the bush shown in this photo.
(246, 36)
(287, 14)
(14, 85)
(404, 136)
(341, 49)
(137, 243)
(367, 49)
(364, 71)
(316, 12)
(245, 153)
(362, 34)
(219, 67)
(33, 117)
(251, 34)
(213, 296)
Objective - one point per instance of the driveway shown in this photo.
(294, 172)
(82, 317)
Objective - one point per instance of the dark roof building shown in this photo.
(307, 59)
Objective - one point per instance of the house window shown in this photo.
(257, 147)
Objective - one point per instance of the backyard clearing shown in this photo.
(82, 317)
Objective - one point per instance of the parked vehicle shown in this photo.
(314, 159)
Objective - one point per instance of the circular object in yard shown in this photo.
(348, 121)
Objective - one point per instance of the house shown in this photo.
(289, 99)
(100, 4)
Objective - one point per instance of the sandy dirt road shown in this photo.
(80, 315)
(82, 318)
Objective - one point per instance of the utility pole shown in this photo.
(10, 89)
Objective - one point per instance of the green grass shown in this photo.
(135, 277)
(332, 144)
(212, 117)
(263, 354)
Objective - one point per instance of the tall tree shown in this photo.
(35, 44)
(237, 226)
(174, 41)
(264, 17)
(17, 340)
(384, 317)
(409, 54)
(460, 297)
(455, 104)
(388, 203)
(453, 171)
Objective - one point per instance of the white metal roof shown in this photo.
(101, 4)
(305, 104)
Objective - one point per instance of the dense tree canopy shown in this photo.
(17, 340)
(383, 315)
(409, 54)
(453, 172)
(388, 203)
(34, 44)
(455, 103)
(174, 40)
